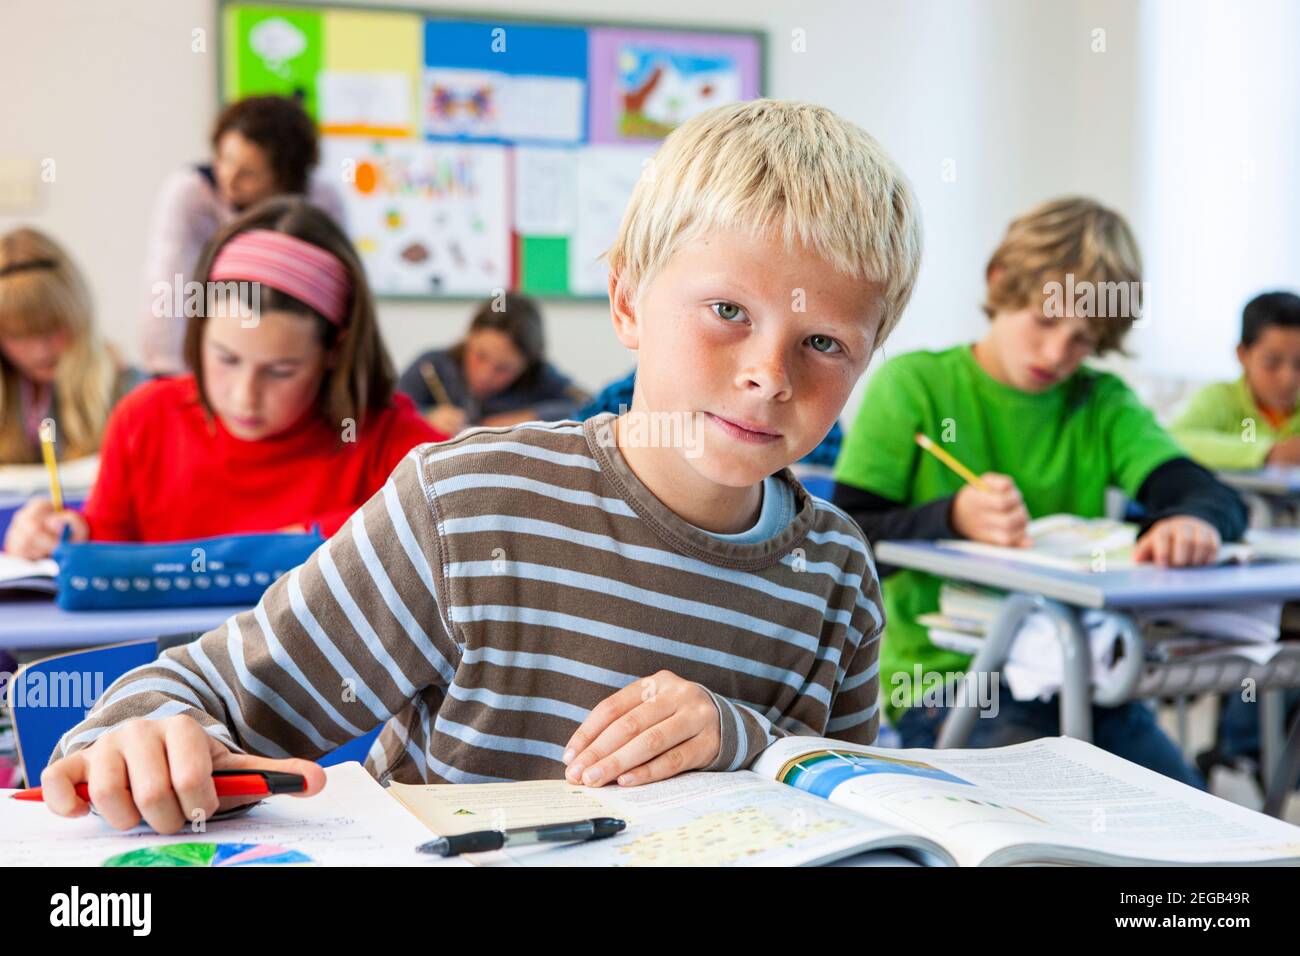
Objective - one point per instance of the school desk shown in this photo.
(37, 623)
(1063, 595)
(1275, 489)
(1281, 481)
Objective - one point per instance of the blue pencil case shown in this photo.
(229, 569)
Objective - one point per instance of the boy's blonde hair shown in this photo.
(42, 292)
(1074, 237)
(781, 168)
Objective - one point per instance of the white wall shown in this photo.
(1220, 155)
(1009, 90)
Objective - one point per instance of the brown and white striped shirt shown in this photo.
(497, 588)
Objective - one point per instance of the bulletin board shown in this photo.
(477, 153)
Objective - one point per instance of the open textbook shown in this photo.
(1070, 543)
(811, 800)
(807, 801)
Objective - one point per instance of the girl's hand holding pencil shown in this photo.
(38, 525)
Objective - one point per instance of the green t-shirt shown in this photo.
(1223, 427)
(1063, 447)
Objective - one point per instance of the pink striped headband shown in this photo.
(294, 266)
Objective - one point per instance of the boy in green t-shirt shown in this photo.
(1049, 435)
(1254, 421)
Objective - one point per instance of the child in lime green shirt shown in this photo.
(1254, 421)
(1049, 435)
(1246, 424)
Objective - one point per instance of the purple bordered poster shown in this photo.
(644, 83)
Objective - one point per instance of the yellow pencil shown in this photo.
(928, 444)
(51, 464)
(432, 380)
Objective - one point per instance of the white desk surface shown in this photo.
(1147, 586)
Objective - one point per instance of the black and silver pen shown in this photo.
(480, 841)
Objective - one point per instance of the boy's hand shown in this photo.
(650, 730)
(160, 770)
(1180, 541)
(997, 516)
(1285, 451)
(36, 527)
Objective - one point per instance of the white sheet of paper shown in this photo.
(365, 100)
(547, 108)
(546, 191)
(352, 822)
(606, 177)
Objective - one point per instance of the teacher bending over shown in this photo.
(262, 146)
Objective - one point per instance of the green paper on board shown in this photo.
(544, 265)
(273, 50)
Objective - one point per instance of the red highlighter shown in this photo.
(229, 783)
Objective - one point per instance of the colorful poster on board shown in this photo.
(370, 72)
(427, 218)
(272, 50)
(504, 82)
(484, 154)
(645, 83)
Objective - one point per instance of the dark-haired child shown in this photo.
(1255, 420)
(496, 375)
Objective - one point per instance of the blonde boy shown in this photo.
(556, 599)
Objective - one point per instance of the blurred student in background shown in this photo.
(288, 419)
(53, 363)
(496, 375)
(1255, 420)
(262, 146)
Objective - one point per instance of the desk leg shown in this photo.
(1260, 511)
(1076, 668)
(1272, 720)
(1076, 671)
(1180, 713)
(992, 655)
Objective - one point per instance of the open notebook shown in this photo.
(811, 800)
(75, 476)
(19, 574)
(1071, 543)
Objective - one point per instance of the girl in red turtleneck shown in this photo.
(289, 419)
